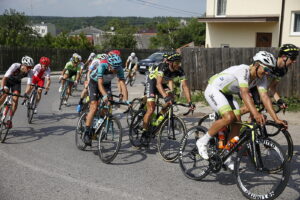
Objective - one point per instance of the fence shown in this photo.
(59, 57)
(201, 63)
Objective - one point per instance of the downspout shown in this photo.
(281, 22)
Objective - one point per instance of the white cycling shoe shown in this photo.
(202, 149)
(229, 163)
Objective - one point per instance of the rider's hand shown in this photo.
(61, 77)
(282, 104)
(260, 118)
(169, 99)
(282, 122)
(75, 82)
(192, 106)
(105, 99)
(26, 96)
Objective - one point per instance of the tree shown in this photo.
(14, 30)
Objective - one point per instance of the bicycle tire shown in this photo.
(245, 186)
(62, 97)
(189, 158)
(282, 137)
(31, 107)
(132, 80)
(169, 145)
(79, 132)
(106, 150)
(135, 129)
(3, 128)
(135, 106)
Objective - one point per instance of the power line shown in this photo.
(162, 7)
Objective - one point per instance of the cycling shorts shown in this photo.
(13, 85)
(94, 92)
(151, 90)
(71, 74)
(39, 81)
(220, 102)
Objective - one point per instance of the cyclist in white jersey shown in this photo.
(237, 80)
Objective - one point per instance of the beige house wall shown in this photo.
(247, 7)
(287, 36)
(238, 34)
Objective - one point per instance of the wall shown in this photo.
(290, 5)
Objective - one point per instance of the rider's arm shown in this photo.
(123, 89)
(186, 90)
(3, 83)
(248, 101)
(159, 86)
(171, 85)
(268, 104)
(126, 63)
(273, 89)
(48, 83)
(101, 87)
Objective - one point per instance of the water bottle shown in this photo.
(99, 122)
(159, 119)
(95, 122)
(232, 142)
(221, 137)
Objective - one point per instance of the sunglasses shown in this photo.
(293, 58)
(266, 69)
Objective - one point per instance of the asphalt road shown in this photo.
(40, 161)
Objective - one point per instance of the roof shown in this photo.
(240, 19)
(90, 30)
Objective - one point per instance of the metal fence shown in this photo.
(59, 57)
(202, 63)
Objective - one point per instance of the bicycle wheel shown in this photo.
(282, 137)
(257, 182)
(109, 140)
(127, 79)
(79, 132)
(135, 106)
(62, 97)
(169, 138)
(31, 107)
(207, 120)
(132, 80)
(136, 128)
(4, 123)
(191, 163)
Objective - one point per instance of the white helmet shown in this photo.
(27, 61)
(92, 55)
(265, 58)
(132, 54)
(102, 56)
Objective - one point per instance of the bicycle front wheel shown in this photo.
(5, 123)
(207, 121)
(135, 106)
(79, 132)
(253, 171)
(170, 136)
(30, 108)
(136, 128)
(110, 139)
(192, 165)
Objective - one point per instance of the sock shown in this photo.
(80, 101)
(205, 138)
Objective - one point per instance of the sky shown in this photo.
(89, 8)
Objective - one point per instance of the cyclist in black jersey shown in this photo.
(159, 78)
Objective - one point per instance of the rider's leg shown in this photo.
(148, 114)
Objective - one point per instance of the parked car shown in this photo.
(154, 58)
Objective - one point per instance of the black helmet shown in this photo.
(174, 57)
(289, 50)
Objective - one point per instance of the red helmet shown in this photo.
(45, 61)
(117, 52)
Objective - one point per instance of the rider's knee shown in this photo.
(229, 117)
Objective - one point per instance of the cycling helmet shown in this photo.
(265, 58)
(115, 61)
(92, 55)
(174, 57)
(289, 50)
(45, 61)
(27, 61)
(76, 58)
(102, 56)
(116, 52)
(166, 55)
(132, 54)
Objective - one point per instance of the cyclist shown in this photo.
(71, 72)
(41, 72)
(286, 57)
(11, 81)
(100, 58)
(100, 86)
(160, 75)
(131, 64)
(86, 64)
(234, 80)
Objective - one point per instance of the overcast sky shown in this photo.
(88, 8)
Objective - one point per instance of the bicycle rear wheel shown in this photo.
(30, 108)
(79, 132)
(169, 139)
(135, 129)
(110, 139)
(259, 182)
(5, 122)
(192, 165)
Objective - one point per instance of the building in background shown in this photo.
(255, 23)
(44, 28)
(94, 35)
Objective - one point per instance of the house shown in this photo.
(255, 23)
(143, 37)
(94, 35)
(44, 28)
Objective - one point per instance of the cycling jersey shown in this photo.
(71, 68)
(95, 63)
(15, 75)
(102, 72)
(221, 87)
(160, 70)
(40, 72)
(133, 60)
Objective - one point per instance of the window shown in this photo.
(295, 25)
(221, 7)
